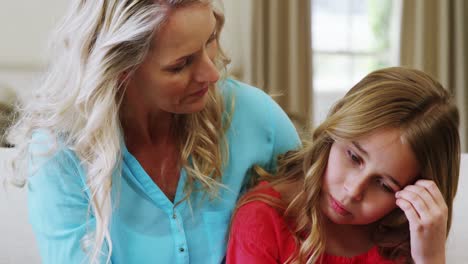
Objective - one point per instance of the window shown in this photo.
(350, 38)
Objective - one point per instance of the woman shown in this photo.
(376, 184)
(138, 150)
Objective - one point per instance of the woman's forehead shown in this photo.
(186, 31)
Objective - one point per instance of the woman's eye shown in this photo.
(179, 67)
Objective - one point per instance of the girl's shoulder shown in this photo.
(259, 233)
(258, 213)
(265, 187)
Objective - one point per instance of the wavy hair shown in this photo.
(396, 97)
(78, 102)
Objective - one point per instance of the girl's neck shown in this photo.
(347, 240)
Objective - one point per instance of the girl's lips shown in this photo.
(337, 207)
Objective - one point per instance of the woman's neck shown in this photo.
(347, 240)
(144, 126)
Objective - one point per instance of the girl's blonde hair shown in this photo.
(78, 102)
(397, 97)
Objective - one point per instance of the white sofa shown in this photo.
(18, 246)
(457, 243)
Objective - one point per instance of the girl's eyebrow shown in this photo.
(392, 179)
(360, 148)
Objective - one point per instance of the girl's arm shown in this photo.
(427, 213)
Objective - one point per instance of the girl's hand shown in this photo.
(427, 214)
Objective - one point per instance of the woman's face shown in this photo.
(179, 69)
(362, 177)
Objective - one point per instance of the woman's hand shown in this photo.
(427, 214)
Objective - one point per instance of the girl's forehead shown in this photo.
(389, 154)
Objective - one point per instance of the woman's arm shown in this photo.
(58, 207)
(285, 134)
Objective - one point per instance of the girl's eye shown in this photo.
(384, 186)
(354, 158)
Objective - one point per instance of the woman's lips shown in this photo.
(201, 92)
(338, 207)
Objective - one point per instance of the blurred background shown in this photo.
(306, 53)
(312, 51)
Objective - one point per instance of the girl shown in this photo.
(376, 184)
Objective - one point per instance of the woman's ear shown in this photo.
(125, 77)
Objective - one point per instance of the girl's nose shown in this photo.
(355, 188)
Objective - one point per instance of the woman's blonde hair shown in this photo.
(78, 102)
(397, 97)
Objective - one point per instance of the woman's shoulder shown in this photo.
(53, 165)
(251, 103)
(47, 148)
(56, 185)
(243, 93)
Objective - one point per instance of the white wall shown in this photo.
(24, 30)
(24, 26)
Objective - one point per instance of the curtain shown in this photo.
(8, 99)
(277, 55)
(434, 38)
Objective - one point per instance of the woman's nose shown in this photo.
(207, 71)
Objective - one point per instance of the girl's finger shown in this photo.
(416, 202)
(409, 211)
(433, 190)
(426, 197)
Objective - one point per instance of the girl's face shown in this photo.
(179, 69)
(362, 176)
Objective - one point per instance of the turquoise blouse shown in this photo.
(146, 227)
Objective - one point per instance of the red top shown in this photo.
(260, 235)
